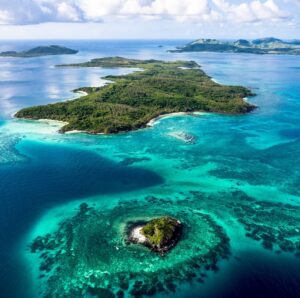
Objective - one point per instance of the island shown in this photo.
(269, 45)
(40, 51)
(86, 253)
(159, 234)
(130, 101)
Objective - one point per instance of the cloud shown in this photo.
(254, 11)
(22, 12)
(18, 12)
(5, 17)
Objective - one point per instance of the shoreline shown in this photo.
(156, 120)
(75, 131)
(48, 121)
(215, 81)
(150, 124)
(83, 93)
(51, 121)
(79, 92)
(136, 235)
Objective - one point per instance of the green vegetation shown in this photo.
(161, 231)
(132, 100)
(258, 46)
(40, 51)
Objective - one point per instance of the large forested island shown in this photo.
(132, 100)
(40, 51)
(258, 46)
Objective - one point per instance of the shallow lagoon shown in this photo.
(235, 157)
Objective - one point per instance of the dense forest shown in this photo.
(130, 101)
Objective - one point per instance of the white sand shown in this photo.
(74, 132)
(49, 121)
(216, 81)
(137, 235)
(154, 121)
(83, 93)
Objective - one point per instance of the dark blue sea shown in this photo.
(257, 154)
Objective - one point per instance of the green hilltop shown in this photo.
(162, 233)
(130, 101)
(269, 45)
(40, 51)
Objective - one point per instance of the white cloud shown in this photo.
(41, 11)
(5, 17)
(65, 10)
(94, 10)
(253, 11)
(176, 8)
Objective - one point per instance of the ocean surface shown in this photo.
(44, 175)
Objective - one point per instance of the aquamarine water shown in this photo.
(45, 175)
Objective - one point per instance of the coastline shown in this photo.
(51, 121)
(156, 120)
(47, 121)
(136, 235)
(80, 94)
(150, 124)
(83, 93)
(74, 131)
(216, 81)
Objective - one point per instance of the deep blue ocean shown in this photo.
(258, 154)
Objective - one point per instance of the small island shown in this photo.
(159, 234)
(269, 45)
(88, 253)
(128, 103)
(40, 51)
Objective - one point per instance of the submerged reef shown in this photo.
(89, 254)
(183, 136)
(275, 225)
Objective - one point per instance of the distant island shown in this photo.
(40, 51)
(268, 45)
(132, 100)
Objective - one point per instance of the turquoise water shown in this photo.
(44, 175)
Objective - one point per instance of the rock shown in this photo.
(183, 136)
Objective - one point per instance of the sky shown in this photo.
(149, 19)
